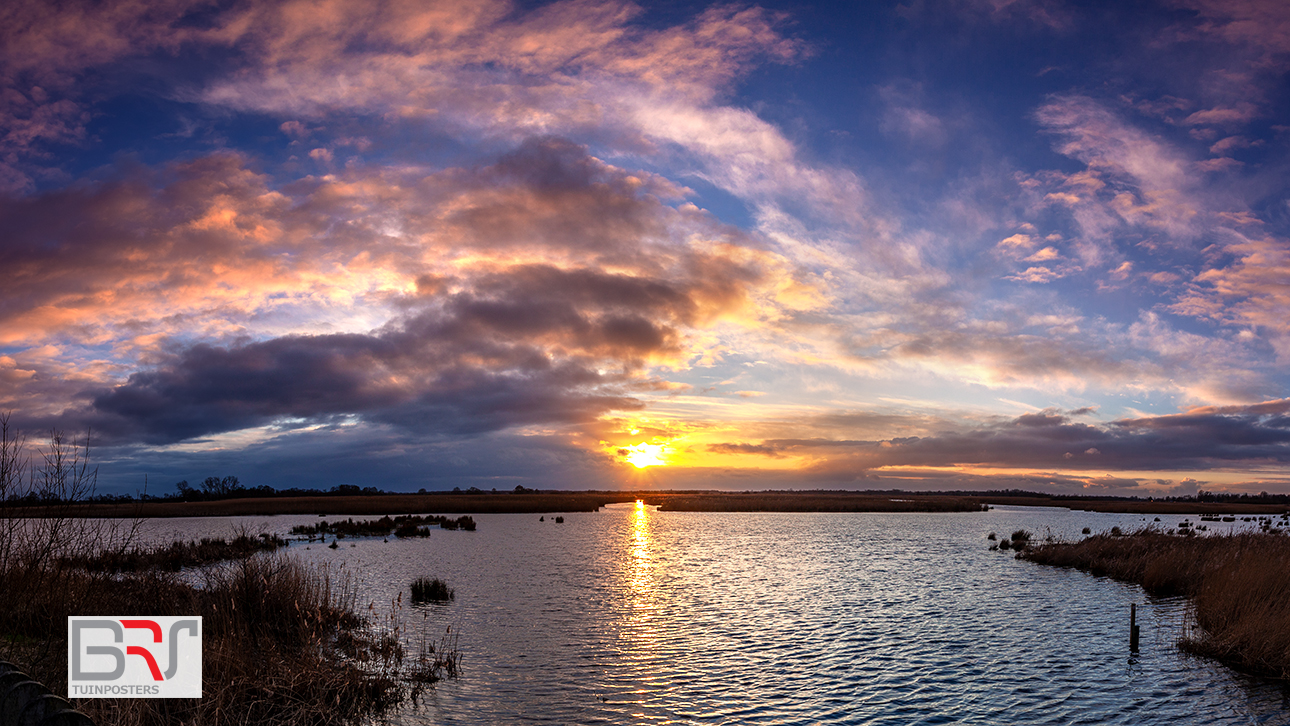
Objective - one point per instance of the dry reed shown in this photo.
(1238, 586)
(281, 644)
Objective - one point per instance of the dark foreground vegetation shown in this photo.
(1238, 585)
(282, 643)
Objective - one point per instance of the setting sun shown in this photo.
(642, 455)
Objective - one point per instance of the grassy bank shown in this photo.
(1238, 586)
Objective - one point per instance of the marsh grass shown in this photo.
(1238, 586)
(433, 662)
(281, 643)
(425, 589)
(175, 556)
(401, 526)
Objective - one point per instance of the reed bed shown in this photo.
(1238, 586)
(175, 556)
(281, 643)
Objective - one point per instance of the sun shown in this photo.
(643, 455)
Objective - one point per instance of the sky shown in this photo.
(921, 245)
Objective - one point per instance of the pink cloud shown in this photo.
(1252, 290)
(1230, 143)
(1264, 24)
(1223, 164)
(1223, 116)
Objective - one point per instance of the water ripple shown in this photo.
(633, 616)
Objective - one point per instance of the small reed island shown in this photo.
(1238, 584)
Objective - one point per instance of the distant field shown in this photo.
(1133, 506)
(675, 501)
(814, 502)
(483, 503)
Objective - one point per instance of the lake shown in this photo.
(630, 615)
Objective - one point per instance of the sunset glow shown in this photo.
(643, 455)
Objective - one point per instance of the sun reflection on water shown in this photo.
(640, 561)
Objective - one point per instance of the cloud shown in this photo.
(1150, 183)
(1223, 164)
(483, 64)
(1249, 290)
(1230, 143)
(425, 381)
(542, 289)
(1223, 116)
(1197, 440)
(46, 49)
(1261, 24)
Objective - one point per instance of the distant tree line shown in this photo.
(210, 490)
(229, 487)
(215, 488)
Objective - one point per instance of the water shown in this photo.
(634, 616)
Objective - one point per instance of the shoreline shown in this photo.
(590, 501)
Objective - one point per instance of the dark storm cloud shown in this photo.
(428, 383)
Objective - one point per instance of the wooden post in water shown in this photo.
(1133, 627)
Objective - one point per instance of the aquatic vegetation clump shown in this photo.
(425, 589)
(406, 525)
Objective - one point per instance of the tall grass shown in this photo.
(280, 644)
(1238, 586)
